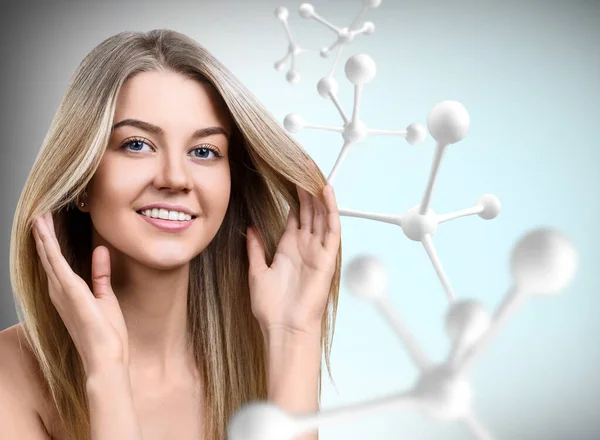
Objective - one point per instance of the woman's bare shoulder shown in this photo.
(20, 376)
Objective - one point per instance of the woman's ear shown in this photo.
(82, 203)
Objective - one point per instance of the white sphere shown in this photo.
(371, 3)
(327, 86)
(543, 262)
(445, 395)
(415, 226)
(293, 122)
(279, 65)
(365, 277)
(324, 52)
(448, 122)
(369, 27)
(345, 36)
(260, 421)
(292, 77)
(282, 13)
(491, 206)
(415, 134)
(306, 10)
(355, 131)
(467, 321)
(360, 69)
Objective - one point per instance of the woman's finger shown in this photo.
(54, 287)
(292, 222)
(52, 280)
(67, 279)
(319, 220)
(50, 222)
(306, 209)
(70, 299)
(334, 227)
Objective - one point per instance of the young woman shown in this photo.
(174, 253)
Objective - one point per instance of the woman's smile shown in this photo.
(168, 225)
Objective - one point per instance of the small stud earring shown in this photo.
(82, 204)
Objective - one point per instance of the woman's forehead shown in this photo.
(168, 96)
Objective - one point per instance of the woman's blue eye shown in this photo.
(132, 142)
(215, 152)
(134, 145)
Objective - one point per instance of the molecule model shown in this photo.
(543, 263)
(345, 36)
(360, 69)
(448, 123)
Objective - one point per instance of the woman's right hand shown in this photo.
(94, 319)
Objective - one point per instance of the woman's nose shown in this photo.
(173, 173)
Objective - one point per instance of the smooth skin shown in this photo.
(303, 265)
(292, 293)
(93, 318)
(130, 328)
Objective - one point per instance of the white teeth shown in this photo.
(166, 214)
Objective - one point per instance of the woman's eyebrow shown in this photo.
(154, 129)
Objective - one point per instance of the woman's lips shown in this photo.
(168, 225)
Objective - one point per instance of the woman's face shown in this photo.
(168, 164)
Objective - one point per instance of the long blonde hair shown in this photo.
(266, 164)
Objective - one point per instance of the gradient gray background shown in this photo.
(527, 72)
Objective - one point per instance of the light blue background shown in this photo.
(527, 72)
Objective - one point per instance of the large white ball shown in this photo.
(360, 69)
(543, 262)
(366, 277)
(448, 122)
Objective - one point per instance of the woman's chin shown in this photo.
(166, 260)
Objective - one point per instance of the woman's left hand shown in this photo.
(291, 295)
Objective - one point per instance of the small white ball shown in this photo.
(366, 277)
(327, 86)
(371, 3)
(543, 262)
(279, 65)
(448, 122)
(292, 77)
(324, 52)
(260, 421)
(360, 69)
(491, 206)
(306, 10)
(415, 133)
(282, 13)
(467, 321)
(369, 27)
(293, 122)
